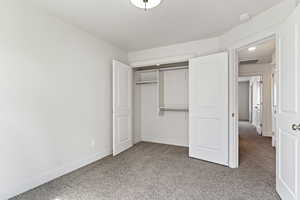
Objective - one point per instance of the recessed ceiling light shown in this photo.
(244, 17)
(146, 4)
(251, 48)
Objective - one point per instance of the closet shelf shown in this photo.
(173, 109)
(146, 82)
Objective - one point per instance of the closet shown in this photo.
(161, 104)
(183, 104)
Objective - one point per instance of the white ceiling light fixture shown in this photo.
(245, 17)
(251, 48)
(146, 4)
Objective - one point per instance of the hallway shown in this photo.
(256, 150)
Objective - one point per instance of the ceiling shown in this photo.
(174, 21)
(263, 52)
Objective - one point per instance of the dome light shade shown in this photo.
(252, 49)
(146, 4)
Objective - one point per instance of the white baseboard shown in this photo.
(167, 143)
(267, 133)
(258, 129)
(273, 141)
(53, 174)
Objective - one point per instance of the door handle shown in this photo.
(296, 127)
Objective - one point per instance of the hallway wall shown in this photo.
(244, 101)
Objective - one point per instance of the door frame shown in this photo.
(275, 98)
(233, 89)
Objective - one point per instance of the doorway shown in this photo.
(251, 101)
(257, 104)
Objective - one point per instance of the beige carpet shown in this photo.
(162, 172)
(256, 149)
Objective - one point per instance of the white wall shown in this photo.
(55, 88)
(173, 53)
(265, 70)
(265, 23)
(244, 101)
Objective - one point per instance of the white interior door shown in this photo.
(288, 145)
(208, 108)
(122, 107)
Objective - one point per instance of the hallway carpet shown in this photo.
(162, 172)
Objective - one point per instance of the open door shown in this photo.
(208, 108)
(288, 138)
(122, 107)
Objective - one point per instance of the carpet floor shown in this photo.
(162, 172)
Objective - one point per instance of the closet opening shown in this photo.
(160, 104)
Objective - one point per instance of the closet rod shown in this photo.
(173, 68)
(163, 66)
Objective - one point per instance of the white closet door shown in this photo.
(208, 106)
(288, 138)
(122, 107)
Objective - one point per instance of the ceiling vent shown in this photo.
(247, 62)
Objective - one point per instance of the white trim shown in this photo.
(167, 143)
(267, 133)
(267, 35)
(254, 38)
(233, 109)
(53, 174)
(273, 140)
(259, 130)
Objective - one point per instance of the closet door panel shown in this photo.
(122, 107)
(208, 106)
